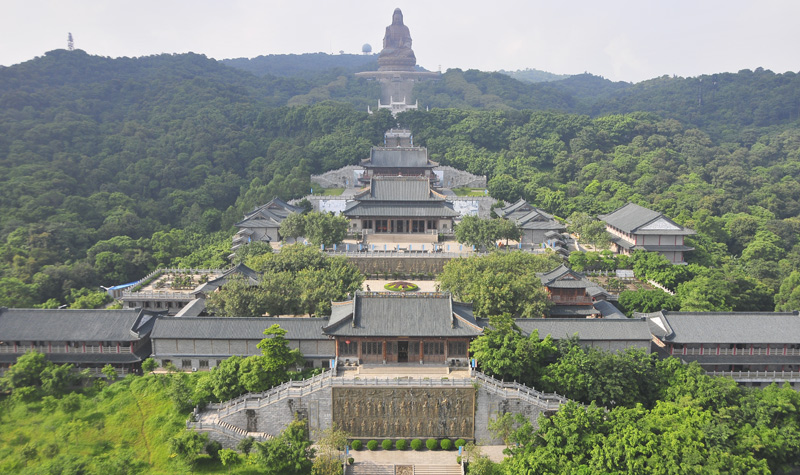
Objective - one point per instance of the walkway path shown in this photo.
(422, 457)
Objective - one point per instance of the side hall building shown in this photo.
(633, 227)
(753, 347)
(85, 338)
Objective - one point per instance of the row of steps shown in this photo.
(404, 370)
(450, 469)
(369, 468)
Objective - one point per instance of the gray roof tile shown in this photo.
(631, 217)
(588, 329)
(726, 327)
(212, 328)
(29, 324)
(398, 157)
(412, 315)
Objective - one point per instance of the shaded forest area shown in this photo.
(112, 167)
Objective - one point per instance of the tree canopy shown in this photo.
(500, 283)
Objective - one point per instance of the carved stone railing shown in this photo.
(547, 401)
(227, 429)
(736, 352)
(763, 376)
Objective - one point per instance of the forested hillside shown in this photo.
(98, 155)
(111, 167)
(304, 65)
(722, 104)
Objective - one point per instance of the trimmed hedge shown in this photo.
(446, 444)
(372, 445)
(357, 445)
(401, 286)
(460, 443)
(432, 444)
(416, 444)
(386, 444)
(401, 444)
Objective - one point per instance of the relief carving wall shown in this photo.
(405, 412)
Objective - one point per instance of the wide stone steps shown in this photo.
(405, 370)
(450, 469)
(369, 468)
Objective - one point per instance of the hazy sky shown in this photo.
(627, 40)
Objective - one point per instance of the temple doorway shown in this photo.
(402, 352)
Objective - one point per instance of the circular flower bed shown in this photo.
(401, 286)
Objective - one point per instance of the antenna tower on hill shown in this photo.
(70, 42)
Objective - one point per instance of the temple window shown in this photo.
(434, 348)
(457, 348)
(347, 348)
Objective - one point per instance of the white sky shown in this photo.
(625, 40)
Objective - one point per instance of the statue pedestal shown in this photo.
(397, 87)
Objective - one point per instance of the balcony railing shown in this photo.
(61, 348)
(757, 376)
(736, 352)
(571, 300)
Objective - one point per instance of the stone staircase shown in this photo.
(450, 469)
(369, 468)
(403, 370)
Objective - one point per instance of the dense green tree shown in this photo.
(501, 282)
(290, 453)
(503, 352)
(647, 301)
(323, 229)
(609, 379)
(788, 297)
(188, 445)
(293, 226)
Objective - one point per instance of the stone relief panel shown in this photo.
(405, 412)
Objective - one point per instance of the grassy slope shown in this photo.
(123, 429)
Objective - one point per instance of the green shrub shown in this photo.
(446, 444)
(460, 443)
(350, 461)
(357, 445)
(213, 448)
(372, 445)
(401, 444)
(431, 444)
(416, 444)
(458, 460)
(386, 444)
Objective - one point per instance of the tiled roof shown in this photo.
(268, 215)
(399, 157)
(631, 217)
(588, 329)
(558, 278)
(232, 328)
(726, 327)
(411, 315)
(18, 324)
(430, 209)
(400, 189)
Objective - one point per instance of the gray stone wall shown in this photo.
(489, 406)
(455, 178)
(273, 418)
(344, 177)
(316, 407)
(401, 265)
